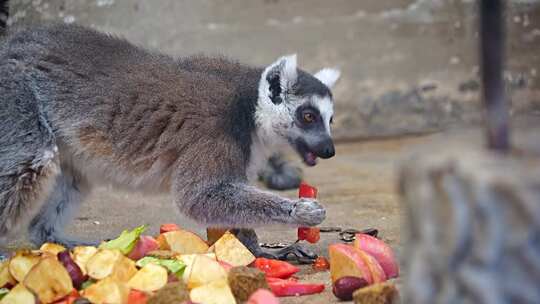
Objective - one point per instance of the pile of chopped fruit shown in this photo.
(179, 267)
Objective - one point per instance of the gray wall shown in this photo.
(408, 66)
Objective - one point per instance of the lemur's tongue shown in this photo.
(310, 158)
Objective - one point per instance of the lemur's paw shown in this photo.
(308, 212)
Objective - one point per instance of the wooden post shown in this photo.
(492, 64)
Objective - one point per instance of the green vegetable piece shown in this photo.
(3, 292)
(126, 241)
(173, 265)
(87, 284)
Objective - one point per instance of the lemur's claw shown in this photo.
(308, 212)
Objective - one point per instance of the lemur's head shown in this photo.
(297, 107)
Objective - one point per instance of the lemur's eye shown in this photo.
(309, 117)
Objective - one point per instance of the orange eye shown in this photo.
(309, 118)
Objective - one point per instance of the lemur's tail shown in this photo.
(4, 14)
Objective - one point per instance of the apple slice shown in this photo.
(346, 260)
(216, 292)
(144, 245)
(19, 295)
(205, 270)
(110, 262)
(182, 241)
(6, 279)
(22, 262)
(229, 249)
(377, 273)
(49, 280)
(149, 278)
(380, 251)
(108, 290)
(81, 255)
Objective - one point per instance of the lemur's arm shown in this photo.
(240, 205)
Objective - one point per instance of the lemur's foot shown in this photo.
(308, 212)
(278, 174)
(295, 252)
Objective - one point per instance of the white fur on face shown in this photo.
(325, 107)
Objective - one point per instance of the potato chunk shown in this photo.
(108, 290)
(81, 255)
(217, 292)
(149, 278)
(49, 280)
(113, 263)
(19, 295)
(229, 249)
(21, 263)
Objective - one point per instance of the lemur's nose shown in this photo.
(326, 149)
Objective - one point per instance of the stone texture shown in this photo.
(473, 227)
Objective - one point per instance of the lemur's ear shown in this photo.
(328, 76)
(280, 77)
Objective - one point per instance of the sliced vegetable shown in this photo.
(110, 263)
(137, 297)
(149, 278)
(175, 266)
(205, 270)
(81, 255)
(380, 251)
(229, 249)
(77, 277)
(287, 288)
(263, 296)
(108, 290)
(321, 264)
(182, 241)
(70, 298)
(168, 227)
(310, 234)
(126, 241)
(144, 245)
(3, 292)
(216, 292)
(307, 191)
(19, 295)
(52, 248)
(6, 279)
(49, 280)
(21, 263)
(275, 268)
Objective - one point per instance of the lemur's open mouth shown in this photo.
(307, 155)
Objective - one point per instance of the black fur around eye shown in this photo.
(332, 120)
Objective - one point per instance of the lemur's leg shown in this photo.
(61, 204)
(240, 205)
(296, 251)
(23, 191)
(279, 174)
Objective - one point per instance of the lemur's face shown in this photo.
(297, 108)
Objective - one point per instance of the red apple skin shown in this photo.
(262, 296)
(144, 245)
(354, 255)
(380, 251)
(377, 273)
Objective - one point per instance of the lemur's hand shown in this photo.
(308, 212)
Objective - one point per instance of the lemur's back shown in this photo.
(138, 111)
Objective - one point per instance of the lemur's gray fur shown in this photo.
(79, 108)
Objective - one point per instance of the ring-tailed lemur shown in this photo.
(80, 108)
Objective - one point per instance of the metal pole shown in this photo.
(492, 26)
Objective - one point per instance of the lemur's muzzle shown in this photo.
(324, 148)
